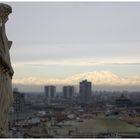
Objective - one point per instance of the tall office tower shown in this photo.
(50, 91)
(19, 101)
(85, 91)
(68, 92)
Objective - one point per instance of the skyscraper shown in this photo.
(85, 91)
(50, 91)
(68, 92)
(19, 101)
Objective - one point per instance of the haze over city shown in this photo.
(64, 43)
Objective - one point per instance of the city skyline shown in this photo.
(70, 42)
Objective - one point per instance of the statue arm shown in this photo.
(3, 62)
(8, 68)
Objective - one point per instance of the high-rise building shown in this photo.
(19, 101)
(50, 91)
(68, 92)
(85, 91)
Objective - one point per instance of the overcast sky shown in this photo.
(59, 40)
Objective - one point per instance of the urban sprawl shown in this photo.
(67, 114)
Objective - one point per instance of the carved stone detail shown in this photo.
(6, 71)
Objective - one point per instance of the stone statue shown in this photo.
(6, 71)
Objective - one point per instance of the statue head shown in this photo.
(5, 10)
